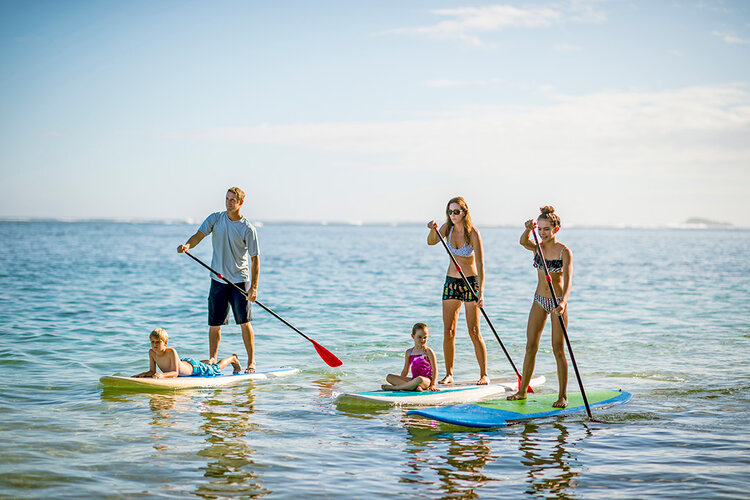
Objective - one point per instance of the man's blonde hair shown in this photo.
(159, 334)
(238, 192)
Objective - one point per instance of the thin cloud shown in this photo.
(729, 38)
(566, 47)
(713, 6)
(464, 83)
(468, 23)
(695, 132)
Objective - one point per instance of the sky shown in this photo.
(623, 113)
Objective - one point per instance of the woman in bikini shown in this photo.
(465, 243)
(560, 267)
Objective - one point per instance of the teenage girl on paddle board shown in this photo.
(559, 261)
(465, 243)
(420, 359)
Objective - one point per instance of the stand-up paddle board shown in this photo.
(192, 382)
(501, 412)
(460, 392)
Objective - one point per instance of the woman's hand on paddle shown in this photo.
(432, 225)
(530, 224)
(560, 309)
(183, 248)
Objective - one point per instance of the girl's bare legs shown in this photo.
(534, 327)
(399, 383)
(558, 348)
(480, 350)
(451, 308)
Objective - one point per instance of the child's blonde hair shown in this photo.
(159, 334)
(419, 326)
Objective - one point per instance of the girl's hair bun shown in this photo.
(548, 212)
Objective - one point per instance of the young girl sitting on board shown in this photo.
(421, 360)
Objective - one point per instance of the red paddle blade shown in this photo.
(326, 355)
(519, 386)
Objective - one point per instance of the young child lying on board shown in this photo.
(172, 366)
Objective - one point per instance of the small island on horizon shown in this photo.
(700, 221)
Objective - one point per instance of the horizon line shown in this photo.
(692, 223)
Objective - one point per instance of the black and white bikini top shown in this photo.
(553, 265)
(464, 251)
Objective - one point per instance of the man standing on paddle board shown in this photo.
(234, 240)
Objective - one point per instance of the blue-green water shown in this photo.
(661, 314)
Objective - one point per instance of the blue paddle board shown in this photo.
(501, 412)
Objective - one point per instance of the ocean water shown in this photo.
(662, 314)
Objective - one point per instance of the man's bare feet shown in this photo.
(236, 366)
(484, 380)
(562, 402)
(448, 379)
(250, 368)
(516, 396)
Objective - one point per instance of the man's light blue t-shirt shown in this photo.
(233, 242)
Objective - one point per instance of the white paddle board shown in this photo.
(192, 382)
(459, 392)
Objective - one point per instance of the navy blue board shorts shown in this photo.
(220, 297)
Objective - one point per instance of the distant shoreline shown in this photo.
(691, 224)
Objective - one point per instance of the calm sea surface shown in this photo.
(663, 314)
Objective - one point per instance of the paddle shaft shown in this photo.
(548, 278)
(243, 292)
(466, 281)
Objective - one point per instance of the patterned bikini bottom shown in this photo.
(546, 302)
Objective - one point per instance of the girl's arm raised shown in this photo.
(525, 241)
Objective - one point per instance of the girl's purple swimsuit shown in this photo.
(420, 365)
